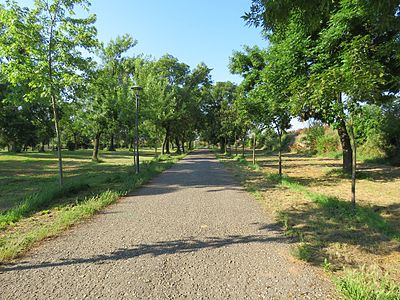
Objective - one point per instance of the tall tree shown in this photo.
(110, 89)
(42, 47)
(340, 54)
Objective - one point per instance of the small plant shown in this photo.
(284, 220)
(326, 265)
(273, 178)
(303, 251)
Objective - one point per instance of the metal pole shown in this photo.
(137, 132)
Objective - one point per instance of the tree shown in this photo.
(42, 47)
(109, 90)
(265, 89)
(335, 48)
(219, 115)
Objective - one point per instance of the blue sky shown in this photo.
(193, 31)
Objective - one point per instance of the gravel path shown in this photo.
(192, 233)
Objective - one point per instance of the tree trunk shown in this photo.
(346, 147)
(280, 153)
(167, 151)
(178, 146)
(254, 149)
(183, 146)
(112, 146)
(42, 147)
(236, 145)
(243, 144)
(76, 143)
(54, 104)
(354, 167)
(190, 145)
(222, 146)
(95, 155)
(15, 147)
(58, 136)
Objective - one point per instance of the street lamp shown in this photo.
(137, 89)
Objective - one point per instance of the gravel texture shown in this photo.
(192, 233)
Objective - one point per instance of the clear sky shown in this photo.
(193, 31)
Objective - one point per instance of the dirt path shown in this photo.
(193, 233)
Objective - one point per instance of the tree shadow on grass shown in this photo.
(154, 249)
(378, 173)
(333, 221)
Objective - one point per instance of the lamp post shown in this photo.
(137, 89)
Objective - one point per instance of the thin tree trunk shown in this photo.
(183, 146)
(222, 145)
(58, 137)
(254, 149)
(42, 147)
(178, 146)
(236, 145)
(345, 142)
(167, 151)
(112, 146)
(95, 155)
(76, 146)
(243, 144)
(53, 102)
(346, 147)
(280, 153)
(354, 167)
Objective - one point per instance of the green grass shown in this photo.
(64, 214)
(342, 210)
(24, 174)
(371, 285)
(15, 244)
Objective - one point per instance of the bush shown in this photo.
(317, 139)
(329, 142)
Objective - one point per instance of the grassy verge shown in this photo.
(47, 219)
(367, 284)
(329, 232)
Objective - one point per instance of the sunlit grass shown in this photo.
(26, 173)
(58, 209)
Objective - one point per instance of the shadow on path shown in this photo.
(154, 249)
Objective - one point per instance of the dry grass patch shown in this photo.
(312, 203)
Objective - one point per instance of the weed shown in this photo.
(326, 265)
(303, 251)
(368, 284)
